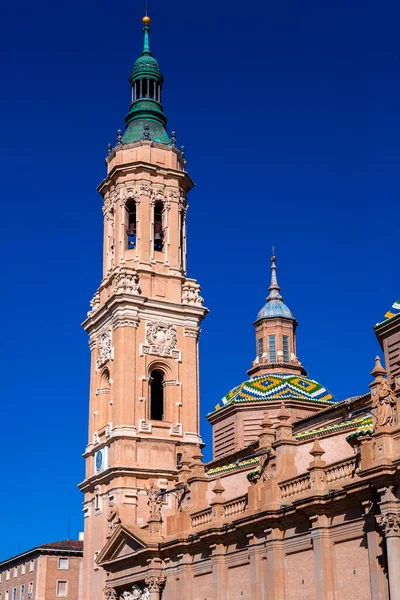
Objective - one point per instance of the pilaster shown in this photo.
(219, 571)
(257, 556)
(275, 578)
(324, 558)
(376, 555)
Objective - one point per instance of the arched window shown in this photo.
(157, 395)
(131, 229)
(158, 226)
(105, 379)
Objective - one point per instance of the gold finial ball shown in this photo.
(146, 20)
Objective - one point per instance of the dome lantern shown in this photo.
(275, 334)
(146, 110)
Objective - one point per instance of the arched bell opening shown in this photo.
(158, 226)
(131, 224)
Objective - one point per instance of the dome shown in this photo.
(274, 308)
(146, 66)
(279, 386)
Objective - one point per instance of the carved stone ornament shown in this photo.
(191, 333)
(94, 304)
(129, 194)
(155, 583)
(174, 194)
(154, 502)
(104, 347)
(110, 594)
(390, 523)
(161, 337)
(384, 401)
(109, 207)
(145, 188)
(127, 282)
(191, 293)
(177, 429)
(113, 518)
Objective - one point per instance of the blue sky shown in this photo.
(289, 115)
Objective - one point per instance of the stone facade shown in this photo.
(48, 572)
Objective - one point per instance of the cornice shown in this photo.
(135, 305)
(143, 167)
(229, 408)
(125, 471)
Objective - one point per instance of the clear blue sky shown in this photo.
(289, 114)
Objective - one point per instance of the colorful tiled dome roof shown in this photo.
(279, 386)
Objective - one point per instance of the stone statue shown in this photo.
(384, 403)
(154, 502)
(146, 594)
(113, 518)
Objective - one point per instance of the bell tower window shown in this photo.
(272, 348)
(131, 230)
(158, 227)
(157, 395)
(286, 348)
(260, 347)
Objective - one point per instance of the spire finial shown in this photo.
(274, 287)
(146, 30)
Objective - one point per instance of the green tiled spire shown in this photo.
(146, 118)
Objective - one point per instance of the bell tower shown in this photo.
(143, 327)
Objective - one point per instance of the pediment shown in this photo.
(123, 542)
